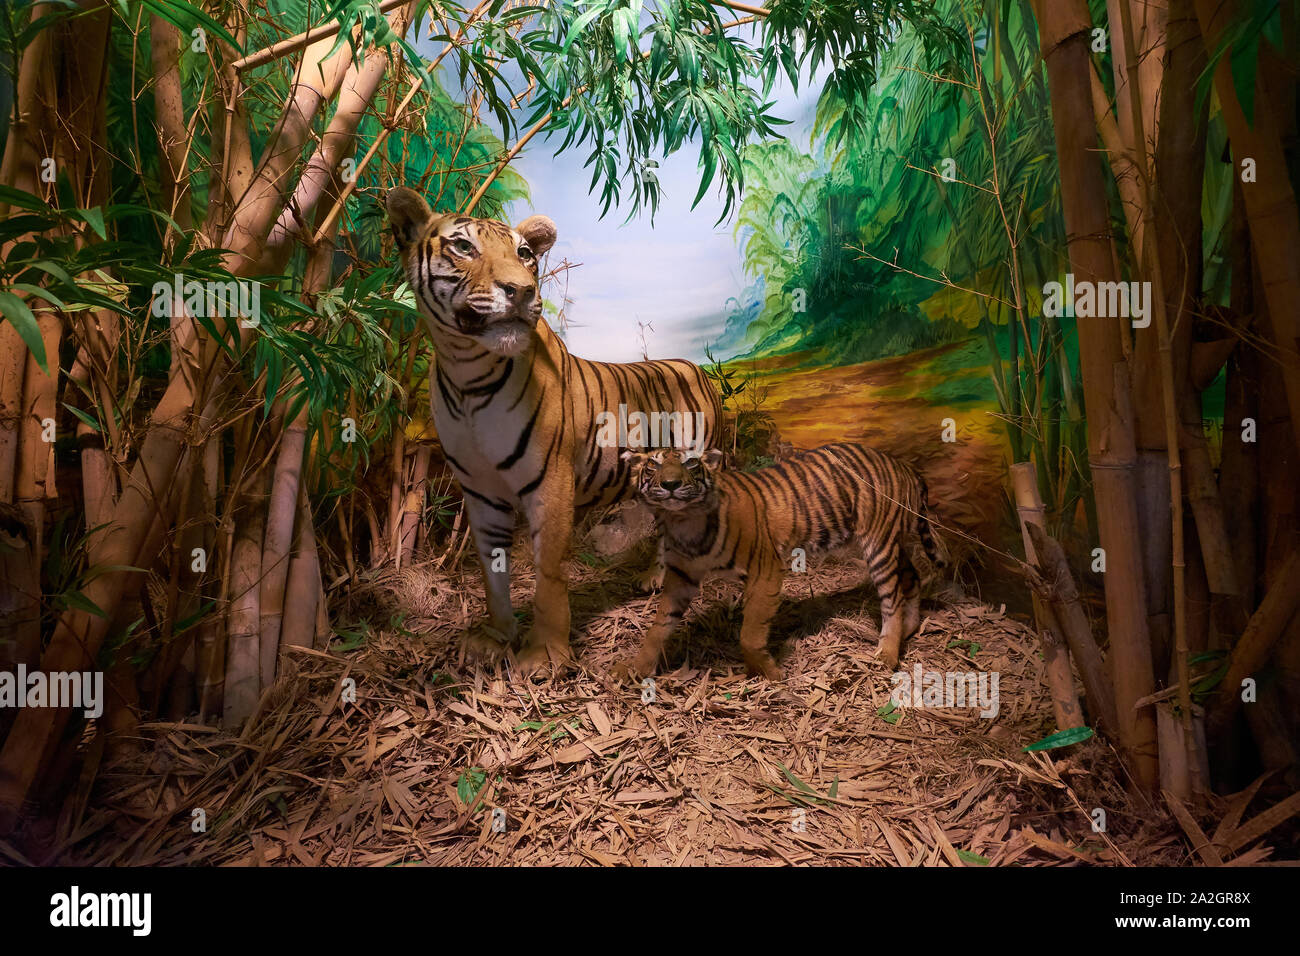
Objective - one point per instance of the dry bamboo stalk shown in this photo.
(1064, 29)
(1252, 650)
(1065, 702)
(413, 507)
(1172, 438)
(396, 484)
(210, 643)
(1063, 600)
(1271, 208)
(169, 112)
(243, 631)
(13, 364)
(322, 632)
(281, 510)
(302, 590)
(1211, 528)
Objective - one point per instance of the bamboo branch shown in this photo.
(297, 42)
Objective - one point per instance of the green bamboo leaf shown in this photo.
(76, 599)
(17, 312)
(95, 219)
(82, 416)
(579, 25)
(186, 16)
(1063, 738)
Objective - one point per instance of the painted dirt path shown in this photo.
(899, 405)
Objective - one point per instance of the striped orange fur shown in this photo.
(719, 522)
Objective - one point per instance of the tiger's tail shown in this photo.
(923, 529)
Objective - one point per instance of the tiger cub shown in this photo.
(713, 521)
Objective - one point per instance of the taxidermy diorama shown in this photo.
(665, 432)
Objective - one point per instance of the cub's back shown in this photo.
(825, 497)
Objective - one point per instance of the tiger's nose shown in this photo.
(513, 292)
(669, 484)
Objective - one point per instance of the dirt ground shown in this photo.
(718, 769)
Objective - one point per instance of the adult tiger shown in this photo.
(719, 522)
(524, 425)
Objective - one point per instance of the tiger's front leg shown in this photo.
(676, 597)
(492, 523)
(550, 519)
(761, 598)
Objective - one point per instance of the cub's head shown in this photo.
(473, 277)
(674, 480)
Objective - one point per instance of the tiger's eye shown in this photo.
(525, 253)
(463, 246)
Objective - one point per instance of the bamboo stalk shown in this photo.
(1160, 308)
(243, 684)
(281, 509)
(1064, 28)
(1251, 651)
(1271, 209)
(1029, 505)
(303, 588)
(210, 644)
(413, 506)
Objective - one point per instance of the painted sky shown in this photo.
(675, 275)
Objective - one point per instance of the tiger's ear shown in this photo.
(713, 459)
(539, 232)
(408, 215)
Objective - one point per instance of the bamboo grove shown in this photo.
(208, 360)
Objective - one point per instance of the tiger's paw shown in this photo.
(764, 665)
(539, 660)
(652, 579)
(887, 655)
(485, 644)
(632, 669)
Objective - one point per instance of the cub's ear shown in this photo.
(637, 460)
(408, 215)
(713, 459)
(539, 232)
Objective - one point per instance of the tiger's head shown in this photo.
(674, 480)
(473, 277)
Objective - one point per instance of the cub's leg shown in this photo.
(675, 598)
(884, 567)
(493, 526)
(550, 519)
(911, 584)
(761, 599)
(652, 579)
